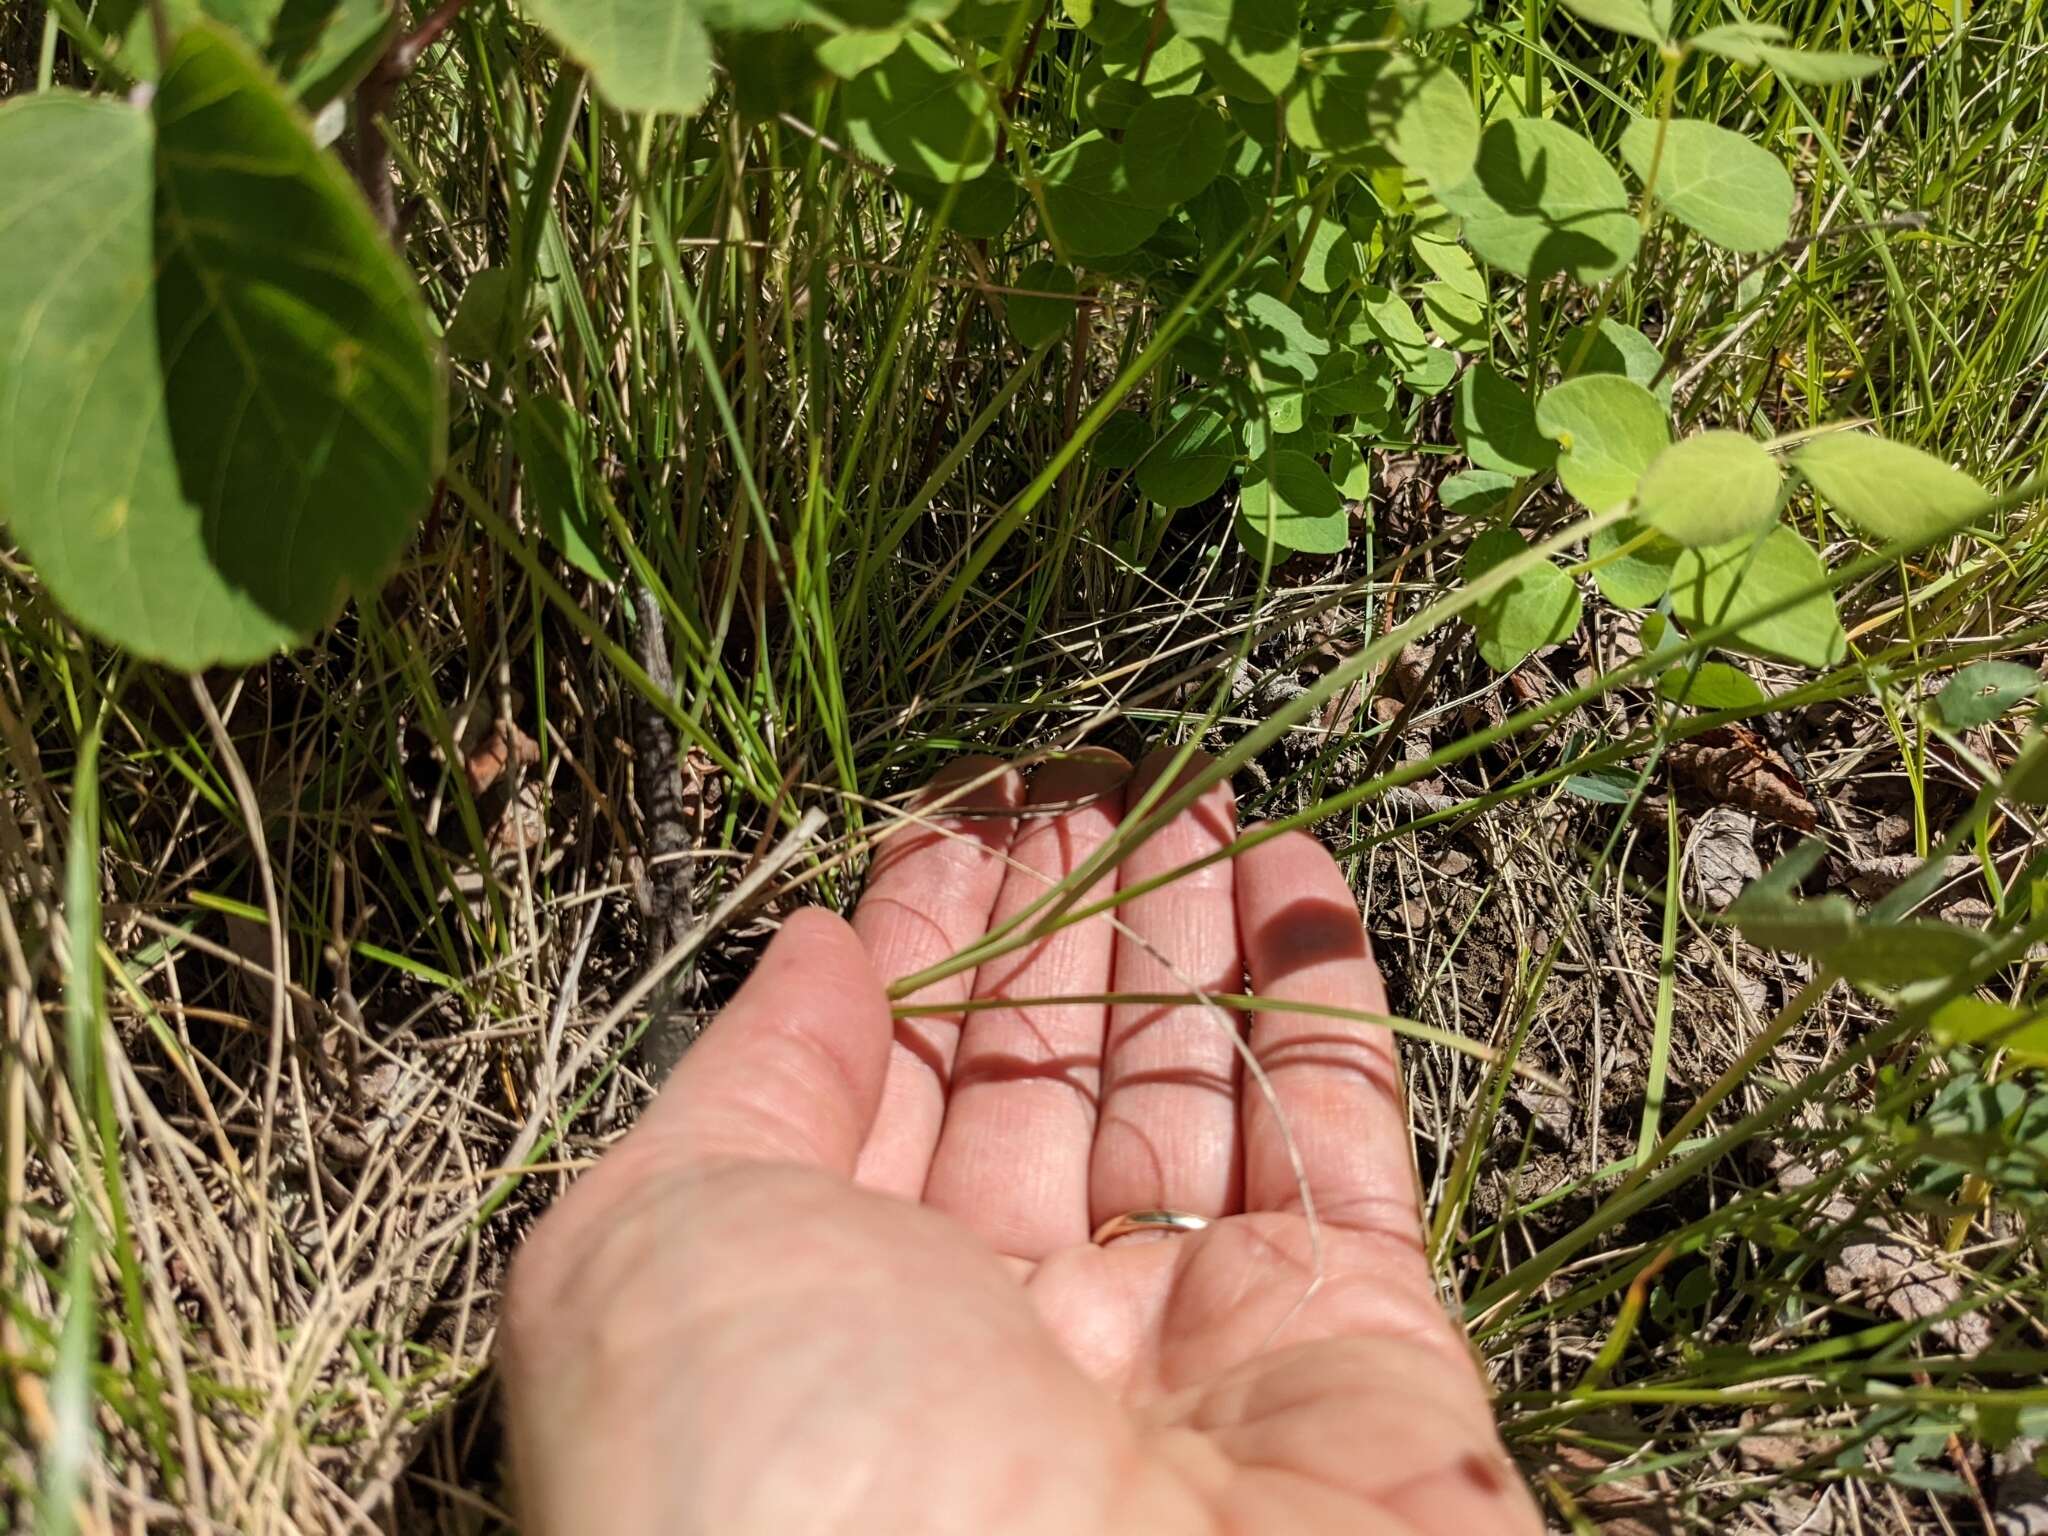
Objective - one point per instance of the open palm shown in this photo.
(840, 1277)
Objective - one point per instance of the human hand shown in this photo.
(840, 1279)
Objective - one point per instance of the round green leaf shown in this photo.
(1293, 503)
(1374, 100)
(1036, 317)
(1607, 429)
(1615, 348)
(1496, 423)
(1716, 685)
(1537, 608)
(1173, 148)
(645, 55)
(1709, 489)
(1632, 18)
(1637, 578)
(1984, 691)
(1746, 580)
(1429, 15)
(1475, 492)
(1541, 200)
(1093, 209)
(222, 408)
(1251, 47)
(1123, 441)
(1456, 316)
(982, 208)
(1719, 183)
(1350, 471)
(918, 109)
(479, 317)
(1887, 489)
(1190, 461)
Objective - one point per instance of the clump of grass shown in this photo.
(347, 1013)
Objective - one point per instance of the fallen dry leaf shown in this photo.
(1733, 765)
(1721, 854)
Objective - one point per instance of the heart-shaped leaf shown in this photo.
(222, 410)
(1495, 420)
(1190, 461)
(1776, 584)
(1541, 200)
(1294, 504)
(1719, 183)
(645, 55)
(1984, 692)
(1088, 194)
(1631, 564)
(1475, 492)
(1608, 429)
(1709, 489)
(1172, 149)
(917, 109)
(1538, 607)
(1613, 347)
(1632, 18)
(1036, 315)
(1715, 685)
(1887, 489)
(1251, 47)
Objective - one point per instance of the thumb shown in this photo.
(791, 1070)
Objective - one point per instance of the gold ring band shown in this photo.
(1148, 1221)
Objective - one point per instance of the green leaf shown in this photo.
(1541, 200)
(1190, 461)
(1475, 492)
(1350, 470)
(1607, 429)
(1615, 348)
(1538, 608)
(771, 72)
(322, 49)
(1890, 956)
(1976, 1020)
(1121, 78)
(982, 209)
(1741, 41)
(1716, 685)
(1251, 47)
(1709, 489)
(846, 54)
(1743, 580)
(1496, 423)
(1449, 260)
(1630, 17)
(918, 109)
(1276, 336)
(1173, 148)
(1293, 503)
(1094, 211)
(1638, 578)
(1423, 114)
(1887, 489)
(1819, 68)
(1035, 318)
(479, 318)
(1124, 439)
(644, 55)
(554, 447)
(222, 410)
(1432, 15)
(1984, 692)
(1457, 317)
(1736, 194)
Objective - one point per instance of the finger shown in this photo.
(1012, 1161)
(791, 1070)
(1335, 1081)
(1169, 1132)
(928, 896)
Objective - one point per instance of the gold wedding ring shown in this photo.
(1148, 1221)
